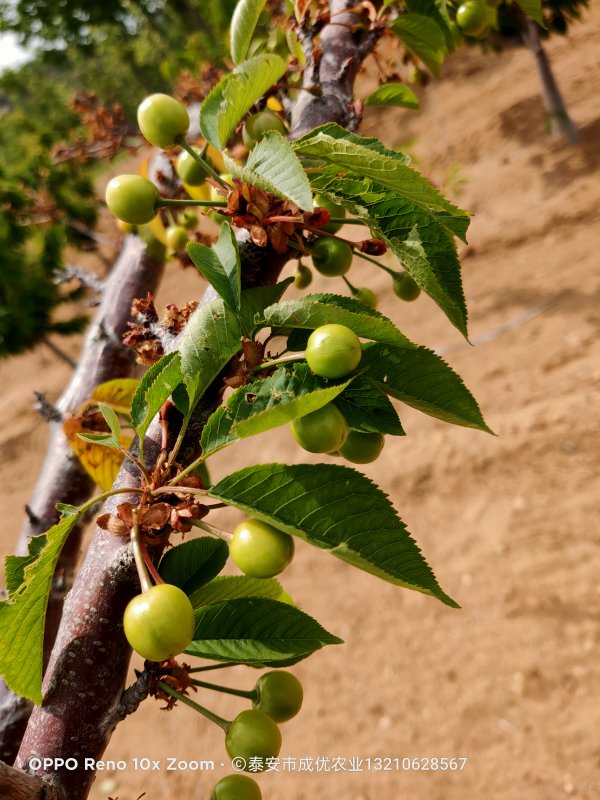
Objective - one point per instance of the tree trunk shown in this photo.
(559, 120)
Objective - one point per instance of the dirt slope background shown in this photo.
(509, 523)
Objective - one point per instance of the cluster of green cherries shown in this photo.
(136, 201)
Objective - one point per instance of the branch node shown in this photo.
(45, 408)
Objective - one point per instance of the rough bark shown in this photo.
(15, 785)
(559, 120)
(62, 479)
(85, 679)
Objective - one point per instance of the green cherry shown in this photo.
(406, 288)
(335, 210)
(257, 125)
(189, 170)
(362, 448)
(333, 351)
(177, 238)
(331, 257)
(260, 550)
(279, 694)
(253, 735)
(236, 787)
(132, 199)
(163, 120)
(321, 431)
(472, 18)
(159, 623)
(302, 277)
(367, 297)
(189, 220)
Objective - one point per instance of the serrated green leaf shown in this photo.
(424, 37)
(220, 265)
(192, 564)
(534, 9)
(14, 566)
(438, 11)
(289, 393)
(23, 615)
(422, 379)
(274, 167)
(257, 631)
(155, 389)
(420, 239)
(388, 169)
(230, 587)
(366, 408)
(213, 336)
(321, 309)
(336, 509)
(393, 94)
(232, 98)
(112, 420)
(243, 23)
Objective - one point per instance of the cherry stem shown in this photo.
(320, 232)
(167, 201)
(222, 723)
(171, 489)
(138, 555)
(276, 361)
(206, 526)
(394, 273)
(204, 161)
(178, 443)
(352, 288)
(251, 695)
(209, 667)
(129, 455)
(349, 221)
(149, 563)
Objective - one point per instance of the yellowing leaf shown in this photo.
(116, 394)
(101, 463)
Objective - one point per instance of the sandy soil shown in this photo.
(512, 681)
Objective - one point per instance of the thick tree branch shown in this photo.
(16, 785)
(62, 479)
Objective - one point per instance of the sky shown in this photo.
(11, 54)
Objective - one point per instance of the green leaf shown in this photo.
(112, 420)
(423, 36)
(257, 631)
(232, 98)
(422, 379)
(220, 265)
(289, 393)
(230, 587)
(388, 169)
(534, 9)
(337, 509)
(192, 564)
(366, 408)
(213, 336)
(315, 310)
(155, 388)
(243, 23)
(393, 94)
(436, 10)
(104, 439)
(23, 615)
(419, 238)
(274, 167)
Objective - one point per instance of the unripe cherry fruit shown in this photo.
(331, 257)
(189, 170)
(302, 277)
(362, 448)
(472, 18)
(253, 735)
(260, 550)
(280, 695)
(321, 431)
(177, 237)
(236, 787)
(163, 120)
(333, 351)
(257, 125)
(406, 288)
(189, 220)
(159, 623)
(132, 198)
(335, 210)
(367, 297)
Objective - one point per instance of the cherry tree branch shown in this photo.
(62, 478)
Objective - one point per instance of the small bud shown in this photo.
(112, 524)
